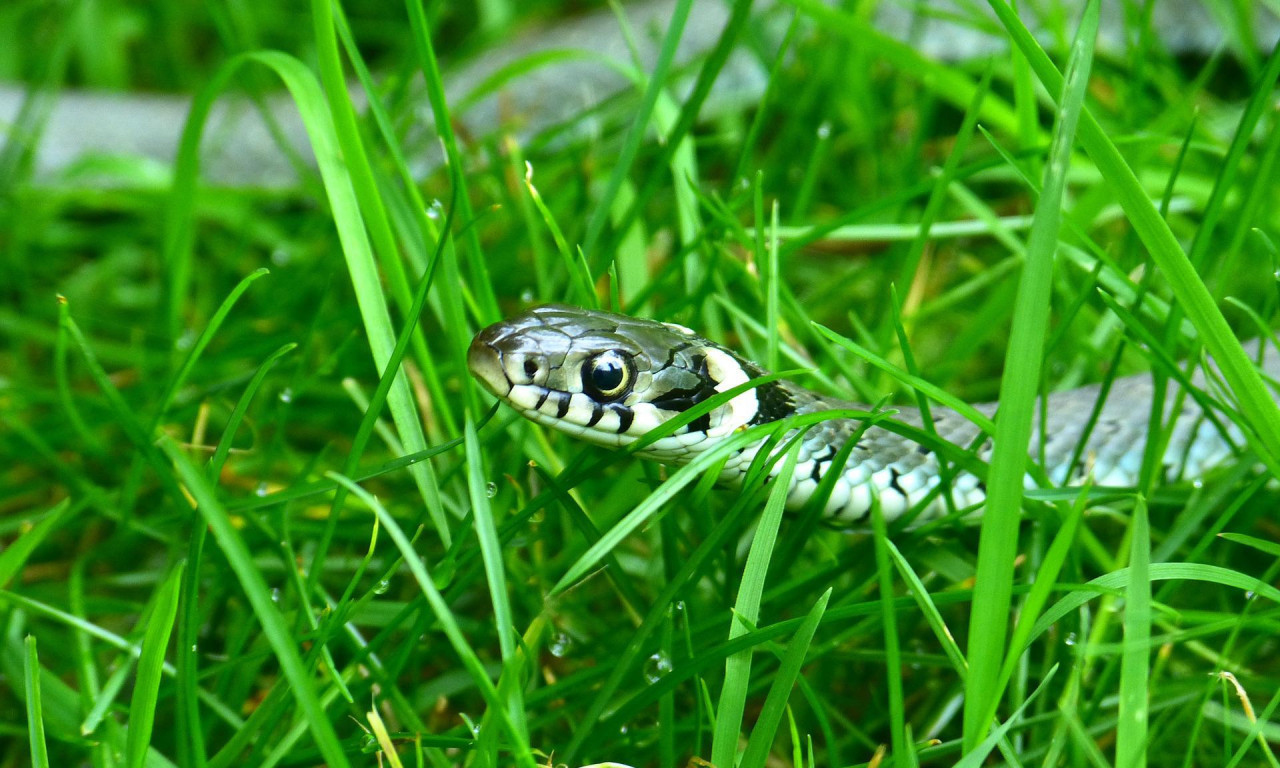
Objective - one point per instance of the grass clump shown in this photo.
(254, 510)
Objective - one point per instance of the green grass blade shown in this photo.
(206, 336)
(1018, 388)
(900, 744)
(35, 706)
(302, 683)
(448, 623)
(495, 573)
(639, 124)
(91, 440)
(1135, 669)
(924, 600)
(1255, 400)
(480, 285)
(352, 235)
(1262, 545)
(15, 556)
(146, 690)
(746, 611)
(1046, 581)
(223, 449)
(978, 755)
(775, 704)
(1200, 572)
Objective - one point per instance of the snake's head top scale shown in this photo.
(610, 378)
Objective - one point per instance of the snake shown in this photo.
(610, 379)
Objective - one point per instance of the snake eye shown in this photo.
(608, 376)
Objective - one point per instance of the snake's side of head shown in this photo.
(610, 378)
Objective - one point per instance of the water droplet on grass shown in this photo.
(656, 667)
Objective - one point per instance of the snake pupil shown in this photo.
(607, 376)
(530, 367)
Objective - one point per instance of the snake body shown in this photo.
(611, 378)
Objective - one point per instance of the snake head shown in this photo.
(610, 378)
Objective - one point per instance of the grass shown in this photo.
(229, 537)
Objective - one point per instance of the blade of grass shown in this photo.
(301, 682)
(899, 742)
(35, 707)
(206, 336)
(146, 689)
(14, 557)
(746, 612)
(1262, 545)
(775, 704)
(223, 448)
(998, 543)
(481, 286)
(372, 410)
(91, 441)
(577, 269)
(977, 756)
(310, 101)
(448, 623)
(495, 574)
(1255, 401)
(690, 566)
(636, 130)
(950, 84)
(1046, 580)
(1131, 729)
(739, 15)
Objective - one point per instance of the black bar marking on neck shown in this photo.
(625, 417)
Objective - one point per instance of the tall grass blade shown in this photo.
(746, 611)
(146, 690)
(998, 545)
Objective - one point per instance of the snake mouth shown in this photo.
(486, 366)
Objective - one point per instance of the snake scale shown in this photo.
(610, 378)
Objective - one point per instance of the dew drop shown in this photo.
(490, 489)
(656, 667)
(261, 490)
(559, 645)
(435, 210)
(281, 256)
(1197, 483)
(824, 130)
(186, 341)
(286, 395)
(194, 648)
(1071, 638)
(526, 296)
(275, 594)
(381, 587)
